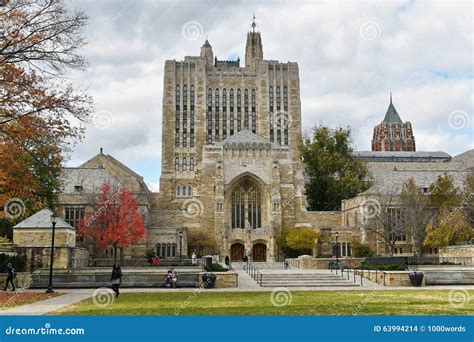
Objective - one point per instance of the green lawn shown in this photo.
(428, 302)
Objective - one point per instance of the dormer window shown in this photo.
(78, 188)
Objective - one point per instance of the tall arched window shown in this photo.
(185, 115)
(285, 115)
(231, 104)
(191, 118)
(270, 105)
(239, 110)
(176, 164)
(190, 191)
(178, 191)
(217, 115)
(224, 113)
(209, 116)
(254, 112)
(177, 99)
(278, 114)
(173, 250)
(185, 164)
(191, 164)
(246, 108)
(168, 250)
(246, 206)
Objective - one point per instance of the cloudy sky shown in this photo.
(350, 55)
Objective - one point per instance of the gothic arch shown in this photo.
(247, 202)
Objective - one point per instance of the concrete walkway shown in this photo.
(49, 305)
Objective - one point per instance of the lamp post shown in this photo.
(337, 249)
(180, 245)
(54, 219)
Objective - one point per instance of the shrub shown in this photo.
(216, 267)
(360, 250)
(150, 254)
(17, 262)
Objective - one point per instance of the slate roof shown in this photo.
(466, 159)
(387, 182)
(89, 178)
(245, 139)
(385, 155)
(392, 115)
(42, 219)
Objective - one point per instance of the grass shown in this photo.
(427, 302)
(11, 299)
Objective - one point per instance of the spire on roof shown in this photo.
(392, 116)
(254, 24)
(206, 43)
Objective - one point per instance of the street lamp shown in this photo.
(54, 219)
(180, 245)
(337, 250)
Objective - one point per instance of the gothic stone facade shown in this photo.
(229, 136)
(230, 176)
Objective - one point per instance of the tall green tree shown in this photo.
(444, 194)
(332, 171)
(453, 207)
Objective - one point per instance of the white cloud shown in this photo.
(422, 52)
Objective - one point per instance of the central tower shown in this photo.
(222, 120)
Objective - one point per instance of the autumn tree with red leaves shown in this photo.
(41, 113)
(115, 221)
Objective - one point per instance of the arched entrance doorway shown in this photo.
(237, 251)
(259, 252)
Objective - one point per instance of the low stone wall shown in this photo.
(388, 278)
(22, 280)
(463, 254)
(448, 274)
(100, 277)
(305, 262)
(224, 279)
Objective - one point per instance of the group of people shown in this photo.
(171, 278)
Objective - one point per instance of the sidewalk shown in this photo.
(49, 305)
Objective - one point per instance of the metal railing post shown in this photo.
(354, 275)
(361, 276)
(376, 277)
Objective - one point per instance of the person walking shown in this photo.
(11, 274)
(116, 279)
(194, 259)
(245, 261)
(227, 261)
